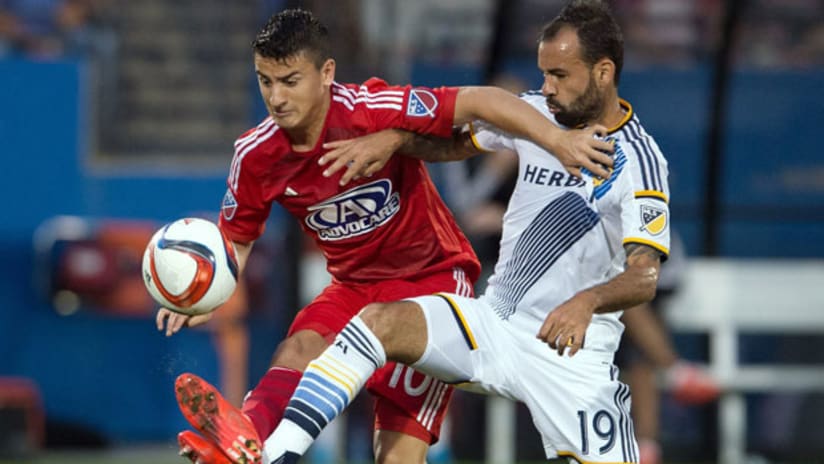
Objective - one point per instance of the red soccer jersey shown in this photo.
(392, 225)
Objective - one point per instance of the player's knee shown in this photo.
(388, 321)
(380, 320)
(297, 350)
(399, 326)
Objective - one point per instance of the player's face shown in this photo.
(295, 90)
(572, 92)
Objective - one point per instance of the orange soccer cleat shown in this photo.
(220, 422)
(649, 452)
(199, 450)
(692, 385)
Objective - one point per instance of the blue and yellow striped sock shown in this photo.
(328, 385)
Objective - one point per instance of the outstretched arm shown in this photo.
(566, 325)
(574, 149)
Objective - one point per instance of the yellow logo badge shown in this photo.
(653, 220)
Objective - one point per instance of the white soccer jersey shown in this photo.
(562, 234)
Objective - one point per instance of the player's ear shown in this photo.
(604, 72)
(327, 71)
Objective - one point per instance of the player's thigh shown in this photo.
(317, 324)
(410, 402)
(450, 337)
(410, 406)
(331, 310)
(467, 344)
(414, 403)
(578, 405)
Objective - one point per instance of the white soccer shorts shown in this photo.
(577, 404)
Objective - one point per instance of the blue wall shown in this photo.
(112, 374)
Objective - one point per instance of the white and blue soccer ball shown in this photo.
(190, 266)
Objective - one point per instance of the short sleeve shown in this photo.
(245, 208)
(243, 220)
(645, 213)
(647, 221)
(487, 137)
(423, 110)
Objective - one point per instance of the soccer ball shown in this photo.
(190, 267)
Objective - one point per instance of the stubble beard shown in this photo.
(583, 110)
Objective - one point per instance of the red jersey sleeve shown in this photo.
(421, 110)
(245, 206)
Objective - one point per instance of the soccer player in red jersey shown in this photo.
(385, 237)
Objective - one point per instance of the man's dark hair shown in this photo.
(598, 32)
(291, 32)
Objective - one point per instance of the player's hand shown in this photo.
(362, 156)
(172, 322)
(564, 328)
(582, 148)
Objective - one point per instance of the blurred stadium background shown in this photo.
(118, 116)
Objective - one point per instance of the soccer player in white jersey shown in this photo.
(574, 253)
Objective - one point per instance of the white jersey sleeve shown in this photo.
(645, 215)
(489, 138)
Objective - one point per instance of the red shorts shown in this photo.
(406, 401)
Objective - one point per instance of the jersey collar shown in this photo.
(628, 109)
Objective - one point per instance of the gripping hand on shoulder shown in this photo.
(582, 148)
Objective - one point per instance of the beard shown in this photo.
(584, 109)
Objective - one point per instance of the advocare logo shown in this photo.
(354, 212)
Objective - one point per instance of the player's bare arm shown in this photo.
(575, 149)
(172, 322)
(565, 326)
(436, 149)
(366, 155)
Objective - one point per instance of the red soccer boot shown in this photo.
(220, 422)
(692, 385)
(199, 450)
